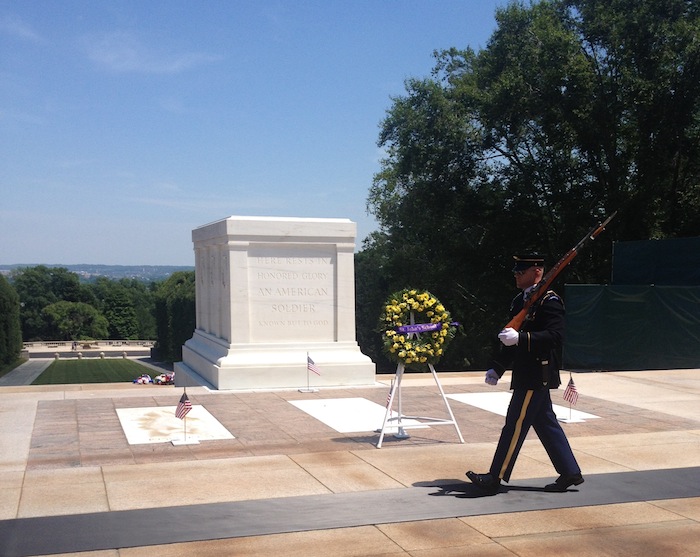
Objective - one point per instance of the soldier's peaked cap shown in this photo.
(525, 261)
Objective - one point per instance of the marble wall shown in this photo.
(270, 290)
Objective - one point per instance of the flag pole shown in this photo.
(181, 411)
(570, 403)
(391, 392)
(184, 420)
(308, 385)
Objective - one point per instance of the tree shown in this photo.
(75, 321)
(128, 305)
(120, 315)
(142, 296)
(592, 109)
(41, 286)
(648, 68)
(10, 331)
(175, 314)
(371, 287)
(575, 108)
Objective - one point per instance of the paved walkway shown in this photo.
(25, 373)
(288, 484)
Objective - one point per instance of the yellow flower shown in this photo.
(407, 306)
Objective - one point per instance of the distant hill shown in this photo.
(146, 273)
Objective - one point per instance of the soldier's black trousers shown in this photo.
(532, 409)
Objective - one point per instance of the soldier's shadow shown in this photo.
(467, 490)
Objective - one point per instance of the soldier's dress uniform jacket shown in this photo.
(536, 358)
(535, 363)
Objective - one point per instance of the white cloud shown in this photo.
(121, 51)
(171, 196)
(15, 27)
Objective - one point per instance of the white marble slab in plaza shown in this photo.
(351, 415)
(498, 404)
(160, 425)
(269, 292)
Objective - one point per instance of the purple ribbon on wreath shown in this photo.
(422, 327)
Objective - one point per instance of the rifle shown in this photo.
(541, 288)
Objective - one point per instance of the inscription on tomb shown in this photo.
(292, 294)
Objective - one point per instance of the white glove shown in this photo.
(491, 377)
(509, 337)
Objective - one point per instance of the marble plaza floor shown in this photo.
(83, 471)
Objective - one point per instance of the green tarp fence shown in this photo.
(627, 327)
(674, 261)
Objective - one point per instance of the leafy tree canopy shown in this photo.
(41, 286)
(75, 321)
(175, 314)
(127, 304)
(10, 331)
(575, 109)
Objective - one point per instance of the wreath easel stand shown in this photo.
(397, 421)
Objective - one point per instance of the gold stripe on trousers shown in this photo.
(516, 433)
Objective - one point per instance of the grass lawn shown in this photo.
(62, 372)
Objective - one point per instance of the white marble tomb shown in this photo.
(268, 291)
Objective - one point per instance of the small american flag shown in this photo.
(311, 366)
(570, 393)
(183, 407)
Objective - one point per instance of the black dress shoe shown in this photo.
(486, 482)
(562, 483)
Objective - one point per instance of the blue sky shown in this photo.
(125, 125)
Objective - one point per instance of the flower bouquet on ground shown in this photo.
(165, 378)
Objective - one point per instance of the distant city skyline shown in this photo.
(88, 272)
(124, 126)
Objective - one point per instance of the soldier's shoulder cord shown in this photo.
(548, 295)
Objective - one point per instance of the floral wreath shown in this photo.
(416, 327)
